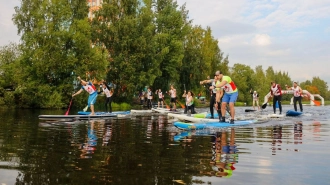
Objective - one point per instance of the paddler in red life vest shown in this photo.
(276, 91)
(297, 92)
(90, 88)
(230, 95)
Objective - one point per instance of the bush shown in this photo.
(125, 106)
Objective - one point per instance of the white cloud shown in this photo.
(8, 31)
(261, 40)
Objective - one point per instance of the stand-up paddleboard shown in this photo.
(76, 117)
(164, 110)
(140, 111)
(250, 110)
(275, 115)
(191, 118)
(206, 115)
(293, 113)
(101, 113)
(196, 126)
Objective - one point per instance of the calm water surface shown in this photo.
(149, 150)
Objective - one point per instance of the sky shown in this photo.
(290, 35)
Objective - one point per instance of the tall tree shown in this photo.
(171, 29)
(56, 44)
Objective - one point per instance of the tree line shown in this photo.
(129, 43)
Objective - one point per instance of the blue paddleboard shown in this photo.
(293, 113)
(196, 126)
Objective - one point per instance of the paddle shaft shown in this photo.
(67, 112)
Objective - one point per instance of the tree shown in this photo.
(242, 76)
(9, 56)
(56, 47)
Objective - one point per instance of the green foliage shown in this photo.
(130, 43)
(125, 106)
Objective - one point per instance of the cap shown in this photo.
(254, 91)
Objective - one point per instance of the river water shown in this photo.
(147, 149)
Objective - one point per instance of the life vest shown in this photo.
(230, 86)
(90, 88)
(276, 91)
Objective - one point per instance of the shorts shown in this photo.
(230, 98)
(92, 99)
(173, 100)
(160, 100)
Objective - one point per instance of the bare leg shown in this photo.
(232, 110)
(223, 109)
(92, 110)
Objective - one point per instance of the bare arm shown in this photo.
(184, 94)
(78, 92)
(205, 81)
(224, 82)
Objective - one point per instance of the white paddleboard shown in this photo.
(275, 115)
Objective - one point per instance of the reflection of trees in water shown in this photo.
(124, 154)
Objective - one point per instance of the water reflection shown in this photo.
(276, 133)
(144, 150)
(298, 132)
(224, 154)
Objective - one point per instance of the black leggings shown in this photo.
(295, 99)
(191, 108)
(277, 99)
(108, 101)
(212, 102)
(149, 104)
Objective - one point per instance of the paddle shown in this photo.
(317, 103)
(168, 107)
(67, 112)
(182, 106)
(265, 104)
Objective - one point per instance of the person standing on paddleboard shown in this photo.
(212, 82)
(229, 97)
(276, 91)
(297, 92)
(149, 98)
(255, 99)
(160, 97)
(90, 88)
(108, 93)
(172, 93)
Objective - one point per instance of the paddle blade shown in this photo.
(182, 106)
(85, 109)
(317, 103)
